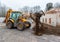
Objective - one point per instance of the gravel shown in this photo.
(13, 35)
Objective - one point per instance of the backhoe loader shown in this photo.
(16, 19)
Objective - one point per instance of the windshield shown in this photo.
(15, 15)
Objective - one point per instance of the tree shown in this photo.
(2, 10)
(25, 9)
(49, 6)
(57, 5)
(36, 8)
(38, 30)
(30, 9)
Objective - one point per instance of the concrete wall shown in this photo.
(58, 19)
(49, 16)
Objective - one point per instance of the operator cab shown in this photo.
(15, 15)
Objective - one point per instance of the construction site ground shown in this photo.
(13, 35)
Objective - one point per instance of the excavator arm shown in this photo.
(7, 15)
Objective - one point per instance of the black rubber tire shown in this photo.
(28, 24)
(9, 25)
(20, 28)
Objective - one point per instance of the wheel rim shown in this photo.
(27, 25)
(20, 26)
(9, 25)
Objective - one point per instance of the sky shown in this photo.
(16, 4)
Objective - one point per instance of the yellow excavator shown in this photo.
(16, 19)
